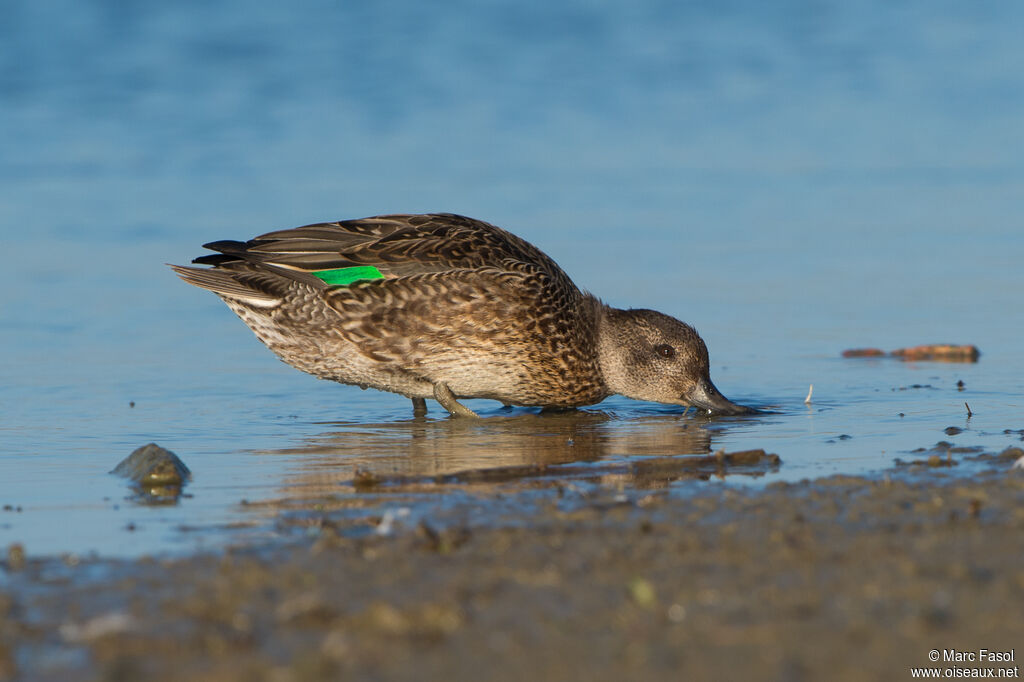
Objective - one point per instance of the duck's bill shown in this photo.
(705, 396)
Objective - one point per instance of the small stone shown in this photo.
(104, 625)
(152, 465)
(864, 353)
(364, 479)
(1012, 453)
(16, 556)
(642, 592)
(157, 475)
(939, 353)
(677, 613)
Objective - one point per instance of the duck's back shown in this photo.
(398, 245)
(400, 302)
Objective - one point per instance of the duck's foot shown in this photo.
(444, 395)
(419, 407)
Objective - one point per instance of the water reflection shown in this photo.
(427, 453)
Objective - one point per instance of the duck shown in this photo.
(445, 307)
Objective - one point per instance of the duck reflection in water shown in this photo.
(647, 451)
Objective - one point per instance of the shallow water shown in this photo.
(792, 181)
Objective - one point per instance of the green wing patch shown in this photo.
(343, 277)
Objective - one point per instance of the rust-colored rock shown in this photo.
(864, 353)
(939, 352)
(936, 352)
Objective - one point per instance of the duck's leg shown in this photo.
(444, 395)
(419, 407)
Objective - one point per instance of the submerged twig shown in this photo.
(969, 413)
(807, 400)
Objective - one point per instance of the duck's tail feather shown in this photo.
(227, 284)
(292, 258)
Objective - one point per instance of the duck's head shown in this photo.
(646, 355)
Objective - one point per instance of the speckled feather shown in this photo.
(461, 302)
(449, 307)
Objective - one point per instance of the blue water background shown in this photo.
(791, 178)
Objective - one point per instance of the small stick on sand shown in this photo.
(807, 400)
(969, 413)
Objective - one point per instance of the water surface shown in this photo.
(792, 180)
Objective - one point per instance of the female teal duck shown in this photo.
(443, 306)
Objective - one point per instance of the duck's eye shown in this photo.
(665, 350)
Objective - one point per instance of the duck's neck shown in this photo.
(611, 345)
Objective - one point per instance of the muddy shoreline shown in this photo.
(836, 578)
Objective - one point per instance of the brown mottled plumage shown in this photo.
(458, 309)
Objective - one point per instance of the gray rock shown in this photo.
(153, 466)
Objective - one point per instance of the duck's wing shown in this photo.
(326, 256)
(396, 245)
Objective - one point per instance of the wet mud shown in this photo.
(842, 578)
